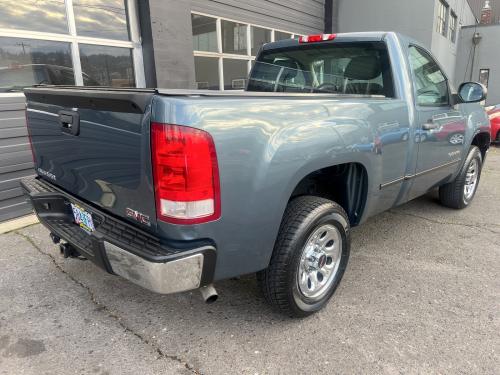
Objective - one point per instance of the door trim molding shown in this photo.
(410, 176)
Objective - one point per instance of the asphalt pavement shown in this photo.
(421, 295)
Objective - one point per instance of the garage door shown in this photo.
(16, 161)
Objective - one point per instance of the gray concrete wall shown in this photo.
(172, 43)
(412, 18)
(172, 35)
(417, 19)
(442, 47)
(486, 56)
(16, 160)
(297, 16)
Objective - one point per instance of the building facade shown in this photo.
(435, 23)
(479, 58)
(198, 44)
(478, 5)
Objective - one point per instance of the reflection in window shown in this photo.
(206, 73)
(101, 19)
(26, 62)
(204, 33)
(235, 74)
(234, 37)
(259, 37)
(279, 35)
(430, 82)
(107, 66)
(344, 68)
(35, 15)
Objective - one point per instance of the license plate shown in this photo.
(83, 218)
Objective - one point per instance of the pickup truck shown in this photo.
(175, 190)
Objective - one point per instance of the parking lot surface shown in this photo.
(421, 295)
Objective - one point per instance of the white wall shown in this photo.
(486, 56)
(409, 17)
(442, 47)
(417, 19)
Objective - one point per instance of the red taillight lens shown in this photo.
(186, 174)
(316, 38)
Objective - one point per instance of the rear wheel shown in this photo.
(460, 192)
(309, 257)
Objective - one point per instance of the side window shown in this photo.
(431, 85)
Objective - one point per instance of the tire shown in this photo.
(286, 284)
(455, 194)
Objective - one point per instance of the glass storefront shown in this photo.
(47, 16)
(41, 44)
(224, 50)
(26, 62)
(108, 66)
(207, 73)
(101, 19)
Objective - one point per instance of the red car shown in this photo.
(494, 114)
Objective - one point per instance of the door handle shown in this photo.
(429, 126)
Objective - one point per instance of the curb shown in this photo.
(18, 223)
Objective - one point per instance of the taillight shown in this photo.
(186, 174)
(316, 38)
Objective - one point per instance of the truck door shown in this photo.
(440, 127)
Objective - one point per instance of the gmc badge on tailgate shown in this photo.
(137, 216)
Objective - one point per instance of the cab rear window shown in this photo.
(339, 68)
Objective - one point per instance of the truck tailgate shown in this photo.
(95, 144)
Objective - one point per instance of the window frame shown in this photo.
(443, 18)
(414, 88)
(74, 39)
(220, 55)
(452, 26)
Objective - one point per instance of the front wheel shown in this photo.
(460, 192)
(309, 257)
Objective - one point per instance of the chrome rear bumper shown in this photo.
(171, 277)
(160, 265)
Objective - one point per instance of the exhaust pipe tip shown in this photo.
(209, 294)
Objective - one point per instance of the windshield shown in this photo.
(342, 68)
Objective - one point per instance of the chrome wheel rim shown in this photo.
(319, 262)
(471, 179)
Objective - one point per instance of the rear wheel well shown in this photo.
(482, 141)
(346, 184)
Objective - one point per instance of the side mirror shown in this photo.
(472, 92)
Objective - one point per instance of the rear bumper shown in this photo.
(120, 248)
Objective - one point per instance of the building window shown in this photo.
(101, 19)
(484, 77)
(82, 42)
(204, 33)
(453, 27)
(260, 36)
(107, 66)
(442, 19)
(27, 62)
(224, 50)
(35, 15)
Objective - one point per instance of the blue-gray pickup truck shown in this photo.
(175, 190)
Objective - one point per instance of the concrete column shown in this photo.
(172, 43)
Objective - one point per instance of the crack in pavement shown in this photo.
(475, 226)
(108, 312)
